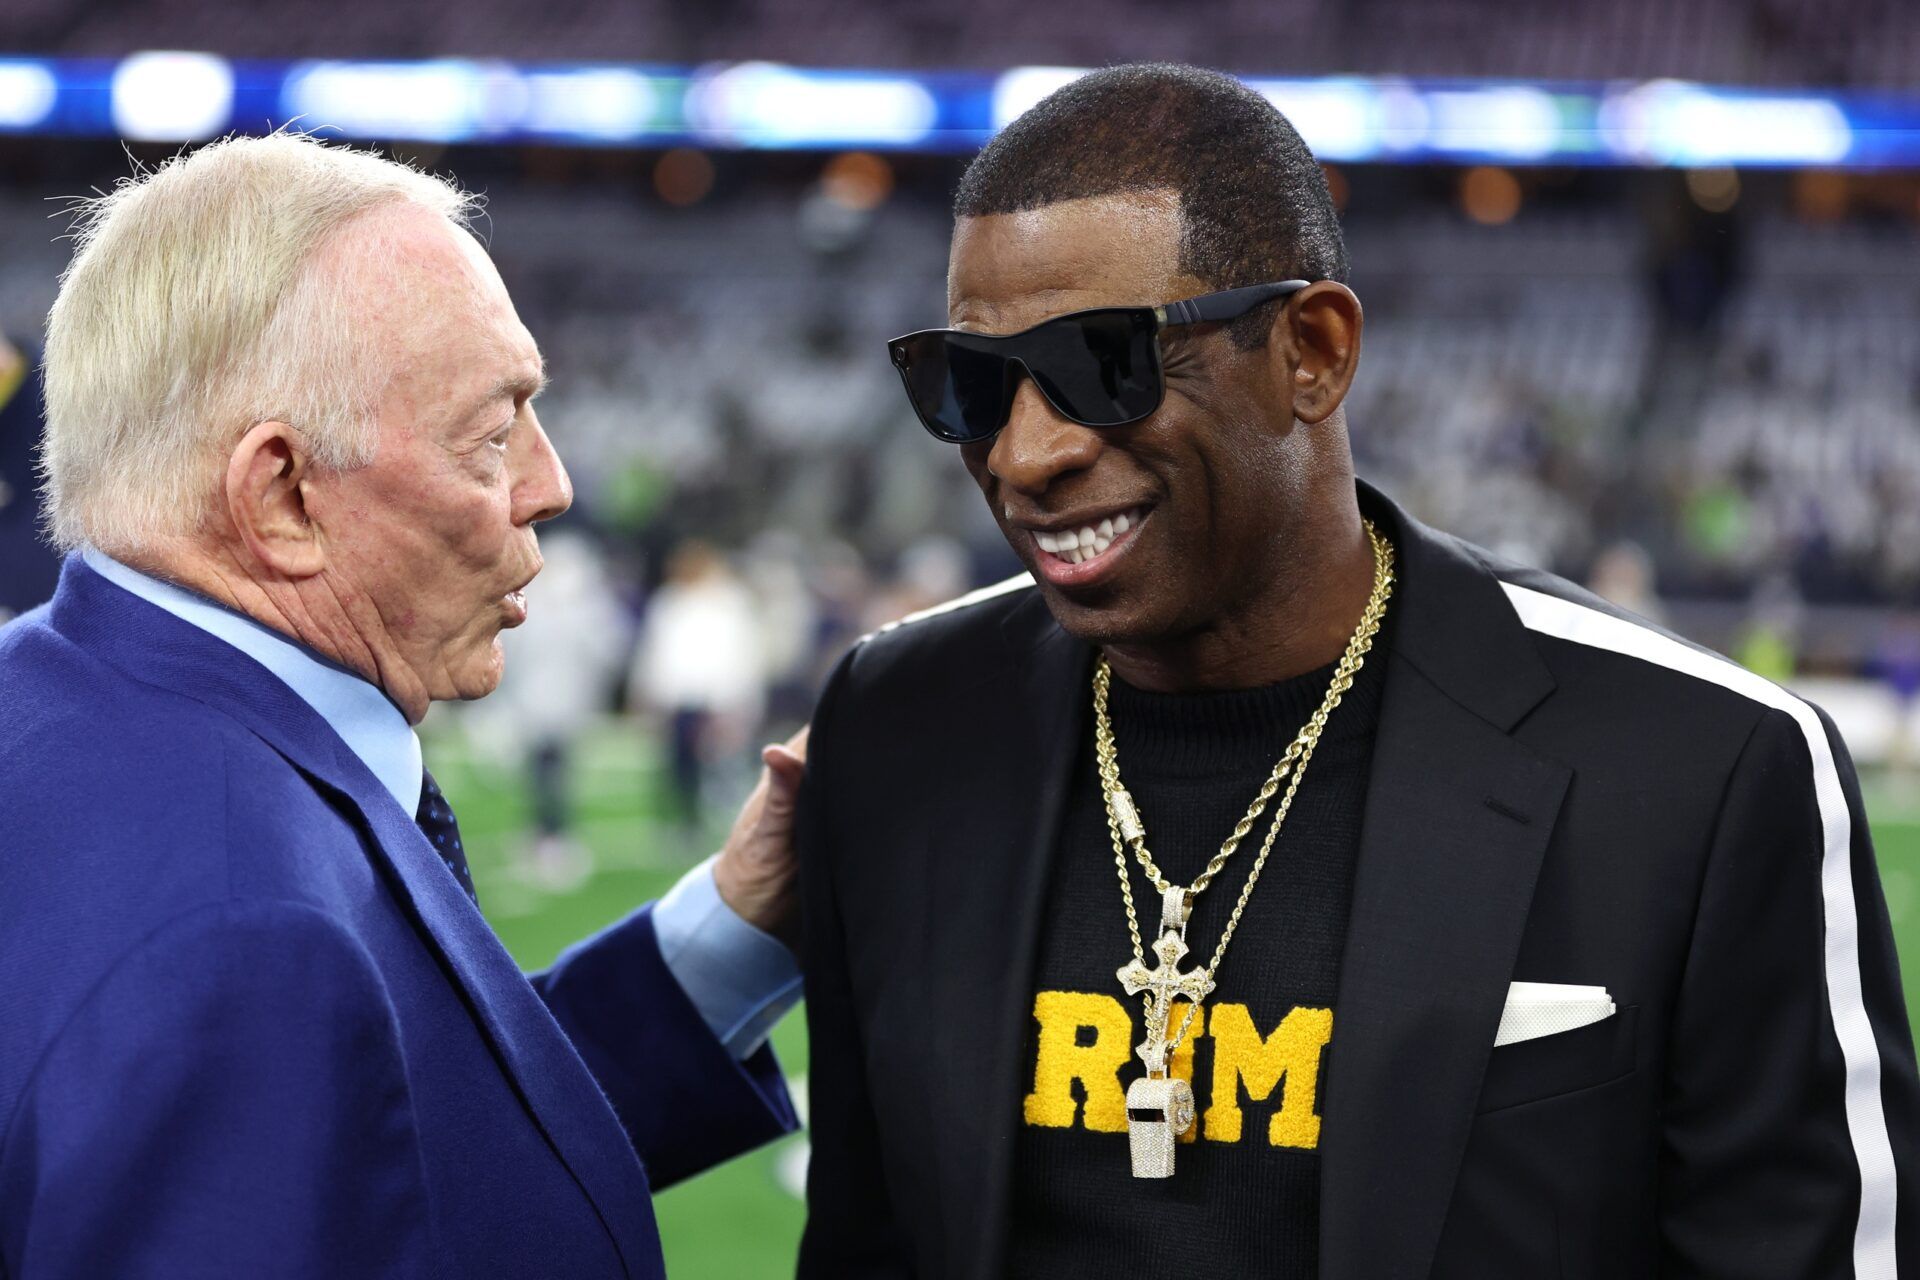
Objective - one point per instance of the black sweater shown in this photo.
(1245, 1196)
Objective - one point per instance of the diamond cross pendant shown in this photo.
(1164, 981)
(1160, 1108)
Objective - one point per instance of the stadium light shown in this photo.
(1017, 90)
(185, 96)
(760, 104)
(1668, 122)
(424, 101)
(1340, 119)
(1511, 122)
(606, 104)
(27, 93)
(172, 97)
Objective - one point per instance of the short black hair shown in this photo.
(1254, 200)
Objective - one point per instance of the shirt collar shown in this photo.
(371, 726)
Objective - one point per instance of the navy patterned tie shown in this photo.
(443, 833)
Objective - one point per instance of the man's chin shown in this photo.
(481, 675)
(1099, 616)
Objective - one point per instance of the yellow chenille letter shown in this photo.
(1291, 1053)
(1062, 1059)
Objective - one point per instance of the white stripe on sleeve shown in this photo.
(1019, 582)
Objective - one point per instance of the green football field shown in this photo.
(742, 1221)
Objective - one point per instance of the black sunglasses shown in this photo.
(1099, 368)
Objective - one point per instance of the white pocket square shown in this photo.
(1536, 1009)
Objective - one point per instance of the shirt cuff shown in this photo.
(741, 980)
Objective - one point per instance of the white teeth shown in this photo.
(1077, 546)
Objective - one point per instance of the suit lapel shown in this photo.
(997, 870)
(533, 1053)
(1458, 816)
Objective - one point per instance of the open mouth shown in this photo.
(516, 599)
(1078, 555)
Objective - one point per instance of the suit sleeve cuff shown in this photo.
(741, 980)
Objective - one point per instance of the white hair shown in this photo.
(192, 310)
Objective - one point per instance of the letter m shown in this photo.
(1290, 1055)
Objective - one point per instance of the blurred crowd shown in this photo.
(713, 652)
(1710, 416)
(1775, 42)
(1739, 400)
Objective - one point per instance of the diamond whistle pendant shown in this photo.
(1160, 1108)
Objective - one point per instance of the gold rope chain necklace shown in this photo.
(1160, 1108)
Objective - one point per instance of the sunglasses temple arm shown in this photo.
(1228, 304)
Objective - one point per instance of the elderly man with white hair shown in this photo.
(251, 1021)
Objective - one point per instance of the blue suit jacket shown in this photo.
(250, 1026)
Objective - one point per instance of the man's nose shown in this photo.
(1038, 446)
(543, 489)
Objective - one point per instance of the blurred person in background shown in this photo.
(566, 659)
(844, 589)
(1571, 956)
(1768, 642)
(28, 567)
(700, 666)
(775, 572)
(1896, 660)
(930, 571)
(1623, 575)
(255, 1022)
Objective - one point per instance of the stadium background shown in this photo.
(1686, 372)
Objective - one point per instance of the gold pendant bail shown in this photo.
(1175, 907)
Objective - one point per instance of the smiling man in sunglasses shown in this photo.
(1267, 884)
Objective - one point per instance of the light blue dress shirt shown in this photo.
(740, 979)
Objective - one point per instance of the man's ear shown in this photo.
(265, 500)
(1322, 327)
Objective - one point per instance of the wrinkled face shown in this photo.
(435, 538)
(1188, 510)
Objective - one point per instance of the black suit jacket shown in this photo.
(1559, 794)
